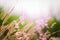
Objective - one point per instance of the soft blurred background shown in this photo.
(29, 19)
(33, 9)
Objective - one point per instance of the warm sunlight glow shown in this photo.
(33, 9)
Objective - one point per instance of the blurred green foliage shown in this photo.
(11, 18)
(54, 30)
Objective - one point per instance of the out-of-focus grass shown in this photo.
(14, 28)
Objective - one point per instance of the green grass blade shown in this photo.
(10, 19)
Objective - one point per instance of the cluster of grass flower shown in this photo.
(14, 27)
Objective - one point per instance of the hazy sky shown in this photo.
(32, 8)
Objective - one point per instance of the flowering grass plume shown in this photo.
(13, 27)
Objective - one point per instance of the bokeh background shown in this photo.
(29, 19)
(33, 9)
